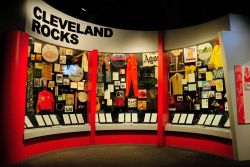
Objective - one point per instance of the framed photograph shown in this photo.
(202, 72)
(179, 98)
(218, 95)
(100, 89)
(62, 59)
(73, 85)
(122, 71)
(123, 85)
(198, 63)
(44, 82)
(59, 78)
(62, 51)
(117, 83)
(66, 81)
(57, 67)
(80, 86)
(117, 88)
(210, 94)
(190, 54)
(197, 106)
(37, 47)
(205, 94)
(69, 99)
(132, 102)
(120, 93)
(37, 82)
(38, 57)
(142, 105)
(185, 88)
(33, 57)
(68, 108)
(69, 51)
(123, 79)
(206, 85)
(115, 76)
(142, 93)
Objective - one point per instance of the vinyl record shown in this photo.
(75, 73)
(82, 96)
(204, 51)
(50, 53)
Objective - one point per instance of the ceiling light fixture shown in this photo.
(84, 9)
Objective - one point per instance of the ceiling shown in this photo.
(149, 14)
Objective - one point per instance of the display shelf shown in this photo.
(198, 129)
(126, 126)
(39, 132)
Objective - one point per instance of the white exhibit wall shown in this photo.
(236, 49)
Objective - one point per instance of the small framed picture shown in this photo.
(62, 59)
(62, 51)
(218, 95)
(142, 105)
(59, 78)
(197, 106)
(44, 82)
(211, 94)
(117, 83)
(122, 71)
(132, 102)
(185, 88)
(37, 82)
(33, 57)
(38, 57)
(66, 81)
(142, 93)
(80, 86)
(51, 84)
(120, 93)
(117, 87)
(68, 108)
(179, 98)
(123, 85)
(198, 63)
(123, 79)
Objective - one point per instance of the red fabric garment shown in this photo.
(132, 75)
(45, 101)
(247, 74)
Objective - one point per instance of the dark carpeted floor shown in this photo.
(128, 156)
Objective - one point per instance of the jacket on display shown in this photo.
(45, 101)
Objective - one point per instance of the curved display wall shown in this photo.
(137, 87)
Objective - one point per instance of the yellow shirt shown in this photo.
(175, 81)
(189, 70)
(216, 57)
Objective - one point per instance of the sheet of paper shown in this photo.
(176, 118)
(80, 85)
(191, 87)
(57, 67)
(47, 120)
(227, 124)
(28, 123)
(102, 118)
(111, 87)
(73, 118)
(115, 76)
(127, 117)
(204, 103)
(209, 119)
(73, 85)
(183, 118)
(106, 94)
(96, 118)
(190, 118)
(147, 117)
(153, 118)
(37, 47)
(209, 76)
(109, 102)
(199, 84)
(191, 77)
(156, 72)
(66, 119)
(202, 119)
(219, 85)
(134, 117)
(121, 117)
(40, 120)
(80, 118)
(216, 120)
(54, 119)
(109, 117)
(184, 82)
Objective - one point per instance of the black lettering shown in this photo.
(45, 30)
(44, 17)
(88, 30)
(53, 34)
(54, 20)
(108, 32)
(78, 29)
(146, 59)
(98, 31)
(36, 26)
(62, 23)
(74, 39)
(72, 26)
(64, 36)
(35, 12)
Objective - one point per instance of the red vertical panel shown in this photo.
(239, 94)
(162, 95)
(13, 92)
(92, 80)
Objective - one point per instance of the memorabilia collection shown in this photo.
(197, 92)
(127, 87)
(56, 85)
